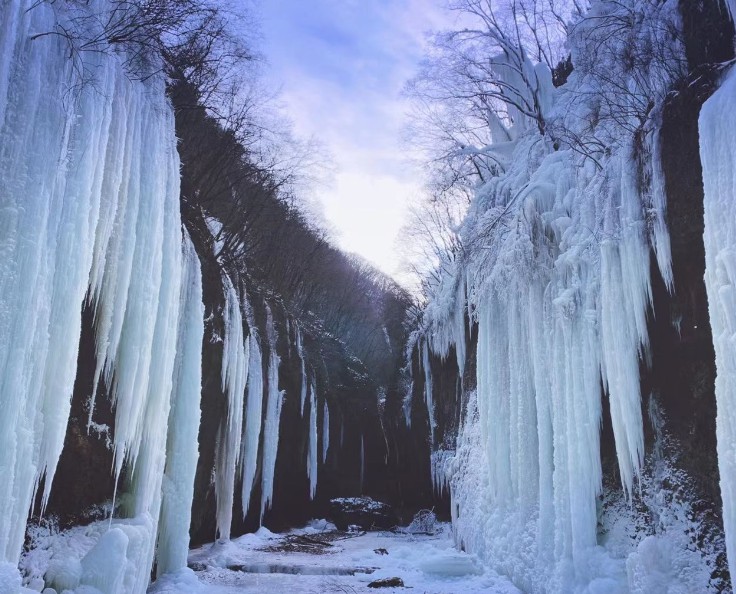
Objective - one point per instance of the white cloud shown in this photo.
(342, 65)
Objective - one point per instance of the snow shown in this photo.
(427, 564)
(717, 151)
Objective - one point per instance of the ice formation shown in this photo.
(273, 417)
(325, 430)
(89, 208)
(253, 421)
(428, 394)
(300, 352)
(182, 442)
(235, 359)
(718, 154)
(362, 462)
(312, 452)
(556, 274)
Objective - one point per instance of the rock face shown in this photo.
(394, 582)
(364, 512)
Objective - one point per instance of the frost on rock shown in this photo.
(718, 153)
(273, 417)
(89, 207)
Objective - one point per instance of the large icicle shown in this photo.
(253, 420)
(718, 154)
(182, 447)
(300, 352)
(273, 417)
(235, 357)
(312, 454)
(428, 394)
(325, 430)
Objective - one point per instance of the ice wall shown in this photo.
(718, 154)
(556, 274)
(89, 208)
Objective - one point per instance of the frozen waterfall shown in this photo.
(89, 208)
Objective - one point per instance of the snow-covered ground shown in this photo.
(346, 563)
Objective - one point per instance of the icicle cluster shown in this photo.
(89, 206)
(557, 276)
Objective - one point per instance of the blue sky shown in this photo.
(341, 65)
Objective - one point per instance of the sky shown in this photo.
(341, 66)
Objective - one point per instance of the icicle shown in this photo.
(273, 417)
(182, 447)
(253, 420)
(362, 463)
(300, 352)
(312, 455)
(235, 359)
(325, 430)
(428, 396)
(406, 404)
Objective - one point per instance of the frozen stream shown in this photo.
(313, 560)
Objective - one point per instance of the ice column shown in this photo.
(253, 420)
(182, 445)
(273, 417)
(234, 373)
(312, 455)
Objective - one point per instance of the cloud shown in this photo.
(342, 65)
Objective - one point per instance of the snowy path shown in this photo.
(426, 564)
